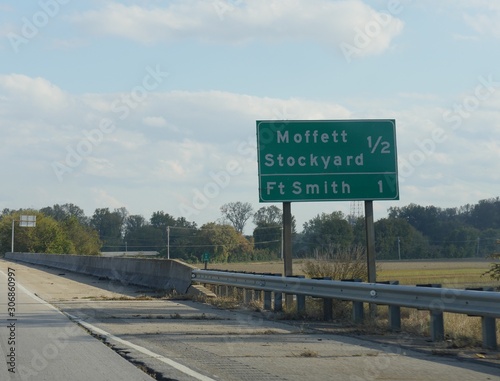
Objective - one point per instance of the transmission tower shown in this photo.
(356, 209)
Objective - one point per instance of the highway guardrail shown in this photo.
(485, 304)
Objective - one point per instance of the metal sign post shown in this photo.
(370, 242)
(327, 160)
(287, 238)
(287, 245)
(206, 258)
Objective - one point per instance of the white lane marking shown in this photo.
(147, 352)
(32, 295)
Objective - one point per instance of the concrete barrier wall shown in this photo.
(155, 273)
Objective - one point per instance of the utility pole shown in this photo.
(399, 248)
(12, 244)
(168, 242)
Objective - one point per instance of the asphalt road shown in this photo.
(185, 341)
(40, 343)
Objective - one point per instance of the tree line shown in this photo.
(408, 232)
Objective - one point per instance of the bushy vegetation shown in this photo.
(410, 232)
(494, 271)
(338, 263)
(51, 235)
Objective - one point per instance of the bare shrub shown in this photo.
(337, 263)
(494, 271)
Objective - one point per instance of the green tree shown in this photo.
(161, 220)
(47, 237)
(181, 235)
(267, 234)
(223, 242)
(426, 219)
(109, 226)
(359, 231)
(238, 213)
(326, 230)
(268, 215)
(65, 211)
(488, 242)
(133, 223)
(485, 214)
(85, 239)
(395, 237)
(461, 242)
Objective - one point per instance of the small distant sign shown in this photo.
(205, 257)
(27, 221)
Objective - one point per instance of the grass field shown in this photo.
(453, 274)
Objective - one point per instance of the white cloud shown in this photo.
(35, 92)
(154, 121)
(329, 22)
(485, 23)
(68, 44)
(148, 165)
(461, 37)
(102, 199)
(483, 16)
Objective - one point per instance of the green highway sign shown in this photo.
(327, 160)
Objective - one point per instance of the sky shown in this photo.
(152, 105)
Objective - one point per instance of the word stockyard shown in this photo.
(312, 160)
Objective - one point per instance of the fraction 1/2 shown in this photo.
(385, 146)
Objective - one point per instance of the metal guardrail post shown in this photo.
(327, 304)
(247, 295)
(278, 302)
(301, 299)
(327, 309)
(489, 328)
(395, 318)
(394, 311)
(437, 319)
(301, 304)
(268, 296)
(488, 325)
(358, 311)
(437, 326)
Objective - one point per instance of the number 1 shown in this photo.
(381, 186)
